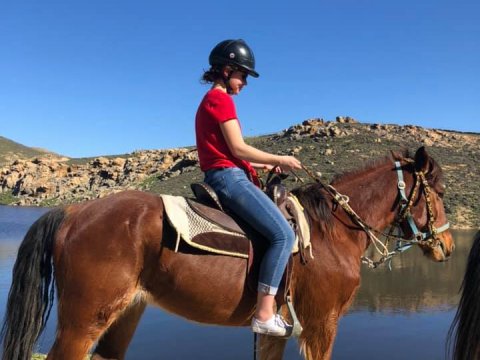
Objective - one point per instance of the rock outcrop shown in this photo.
(45, 181)
(320, 129)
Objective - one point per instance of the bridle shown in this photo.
(429, 238)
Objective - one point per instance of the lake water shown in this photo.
(399, 314)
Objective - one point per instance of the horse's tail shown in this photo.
(31, 295)
(464, 335)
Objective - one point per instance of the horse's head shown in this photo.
(422, 215)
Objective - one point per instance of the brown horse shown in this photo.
(114, 255)
(464, 335)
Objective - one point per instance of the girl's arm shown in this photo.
(261, 166)
(234, 139)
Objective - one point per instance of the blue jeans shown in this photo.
(239, 195)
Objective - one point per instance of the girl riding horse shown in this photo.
(228, 165)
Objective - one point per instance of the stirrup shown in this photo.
(296, 326)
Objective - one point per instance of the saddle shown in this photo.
(206, 195)
(204, 224)
(207, 205)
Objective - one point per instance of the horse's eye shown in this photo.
(441, 190)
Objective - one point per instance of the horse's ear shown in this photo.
(422, 160)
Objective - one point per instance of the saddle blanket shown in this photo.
(204, 234)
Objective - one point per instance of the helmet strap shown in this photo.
(226, 80)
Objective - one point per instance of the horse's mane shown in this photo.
(313, 196)
(369, 165)
(314, 199)
(434, 174)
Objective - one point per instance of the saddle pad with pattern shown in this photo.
(201, 233)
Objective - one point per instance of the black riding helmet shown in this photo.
(236, 53)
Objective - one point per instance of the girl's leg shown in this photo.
(247, 201)
(265, 306)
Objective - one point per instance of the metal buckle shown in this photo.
(401, 185)
(345, 198)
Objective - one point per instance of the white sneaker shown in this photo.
(276, 326)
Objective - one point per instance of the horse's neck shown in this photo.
(372, 195)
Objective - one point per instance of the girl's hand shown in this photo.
(268, 167)
(288, 163)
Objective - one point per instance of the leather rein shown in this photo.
(429, 238)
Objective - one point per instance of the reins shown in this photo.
(429, 239)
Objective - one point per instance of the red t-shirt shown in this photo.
(216, 107)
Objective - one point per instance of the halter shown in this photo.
(429, 238)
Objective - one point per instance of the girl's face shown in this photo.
(238, 80)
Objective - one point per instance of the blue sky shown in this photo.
(86, 78)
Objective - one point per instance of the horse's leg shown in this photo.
(80, 325)
(114, 343)
(71, 343)
(92, 296)
(316, 341)
(270, 347)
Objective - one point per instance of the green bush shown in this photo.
(7, 199)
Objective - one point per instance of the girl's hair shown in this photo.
(211, 75)
(215, 73)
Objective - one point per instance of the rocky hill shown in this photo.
(327, 147)
(11, 150)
